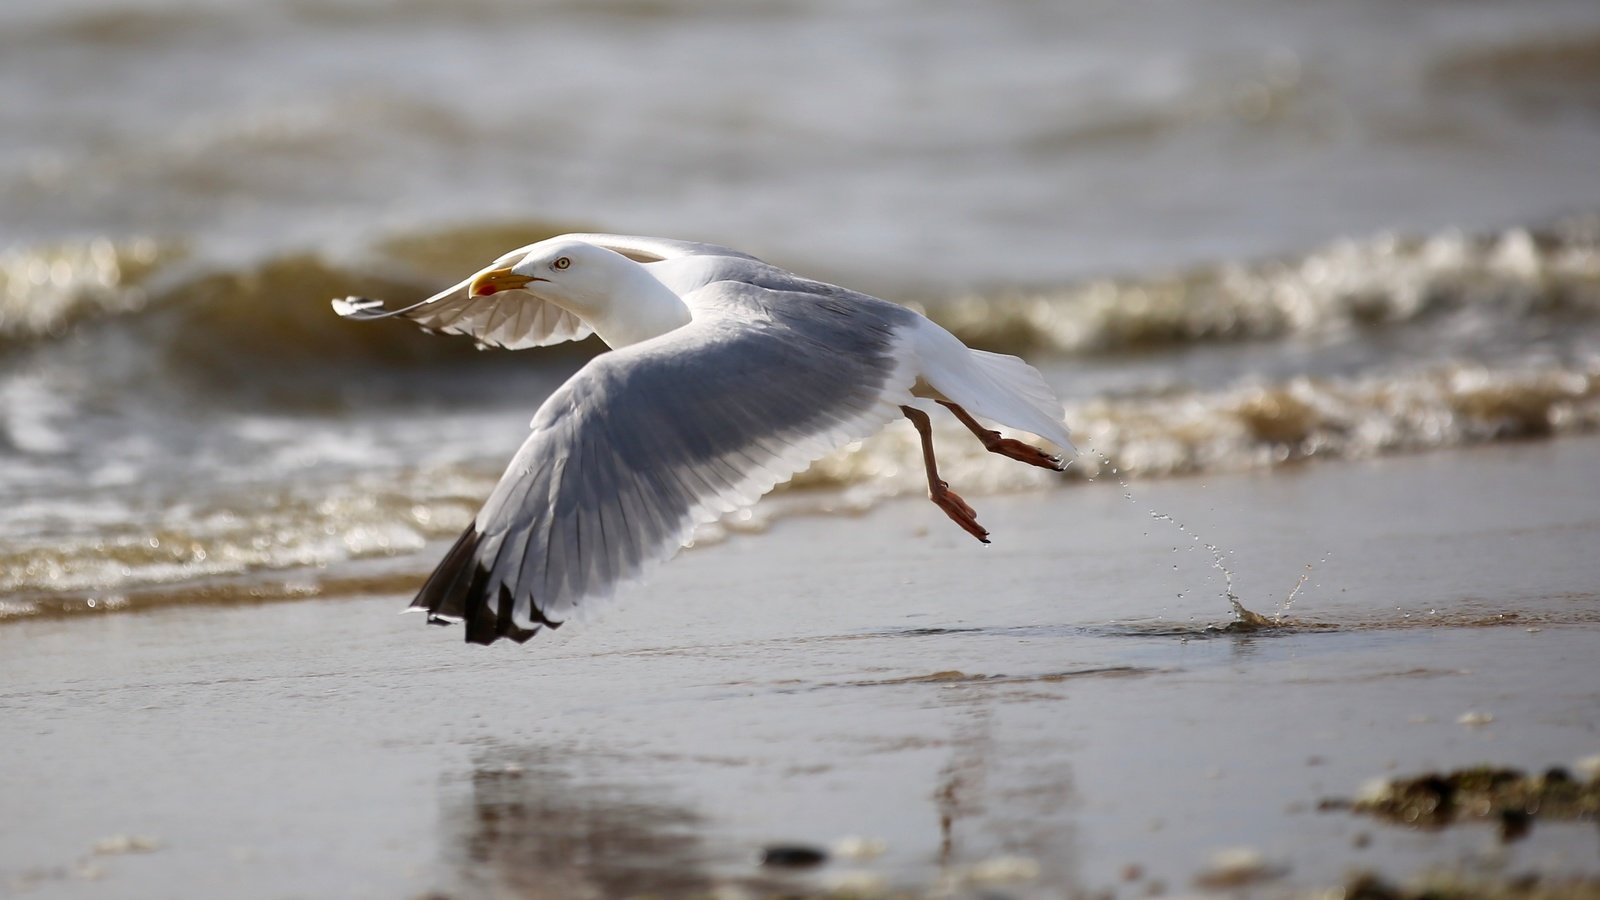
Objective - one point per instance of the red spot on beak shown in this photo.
(486, 290)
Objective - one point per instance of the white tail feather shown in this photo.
(990, 385)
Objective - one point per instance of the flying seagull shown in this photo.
(726, 376)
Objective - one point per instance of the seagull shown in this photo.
(725, 376)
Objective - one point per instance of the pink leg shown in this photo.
(939, 492)
(994, 443)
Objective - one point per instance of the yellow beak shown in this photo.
(496, 280)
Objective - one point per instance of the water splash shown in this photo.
(1244, 618)
(1294, 593)
(1250, 620)
(1219, 561)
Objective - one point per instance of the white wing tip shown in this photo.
(356, 306)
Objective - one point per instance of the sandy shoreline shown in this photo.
(1047, 713)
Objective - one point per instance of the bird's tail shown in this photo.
(1039, 410)
(458, 591)
(991, 385)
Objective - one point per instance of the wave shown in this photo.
(1529, 76)
(206, 321)
(264, 547)
(45, 291)
(148, 315)
(1349, 285)
(271, 543)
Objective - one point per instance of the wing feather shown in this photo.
(649, 441)
(515, 320)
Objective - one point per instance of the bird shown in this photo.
(724, 377)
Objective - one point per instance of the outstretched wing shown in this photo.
(517, 320)
(646, 442)
(514, 320)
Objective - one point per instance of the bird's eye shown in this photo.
(561, 262)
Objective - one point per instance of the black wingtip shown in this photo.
(458, 591)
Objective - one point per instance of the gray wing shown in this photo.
(646, 442)
(515, 320)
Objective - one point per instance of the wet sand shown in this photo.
(1045, 716)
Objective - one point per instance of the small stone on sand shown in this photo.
(860, 848)
(126, 843)
(1003, 870)
(792, 856)
(1589, 766)
(1237, 867)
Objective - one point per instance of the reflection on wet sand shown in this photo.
(991, 832)
(526, 826)
(548, 822)
(961, 779)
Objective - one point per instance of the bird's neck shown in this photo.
(634, 307)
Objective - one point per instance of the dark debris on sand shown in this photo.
(1367, 886)
(1511, 798)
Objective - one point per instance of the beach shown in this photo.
(1063, 713)
(1315, 610)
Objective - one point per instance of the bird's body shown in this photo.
(726, 377)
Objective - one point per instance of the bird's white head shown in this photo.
(615, 295)
(565, 272)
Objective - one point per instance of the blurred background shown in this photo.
(1234, 233)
